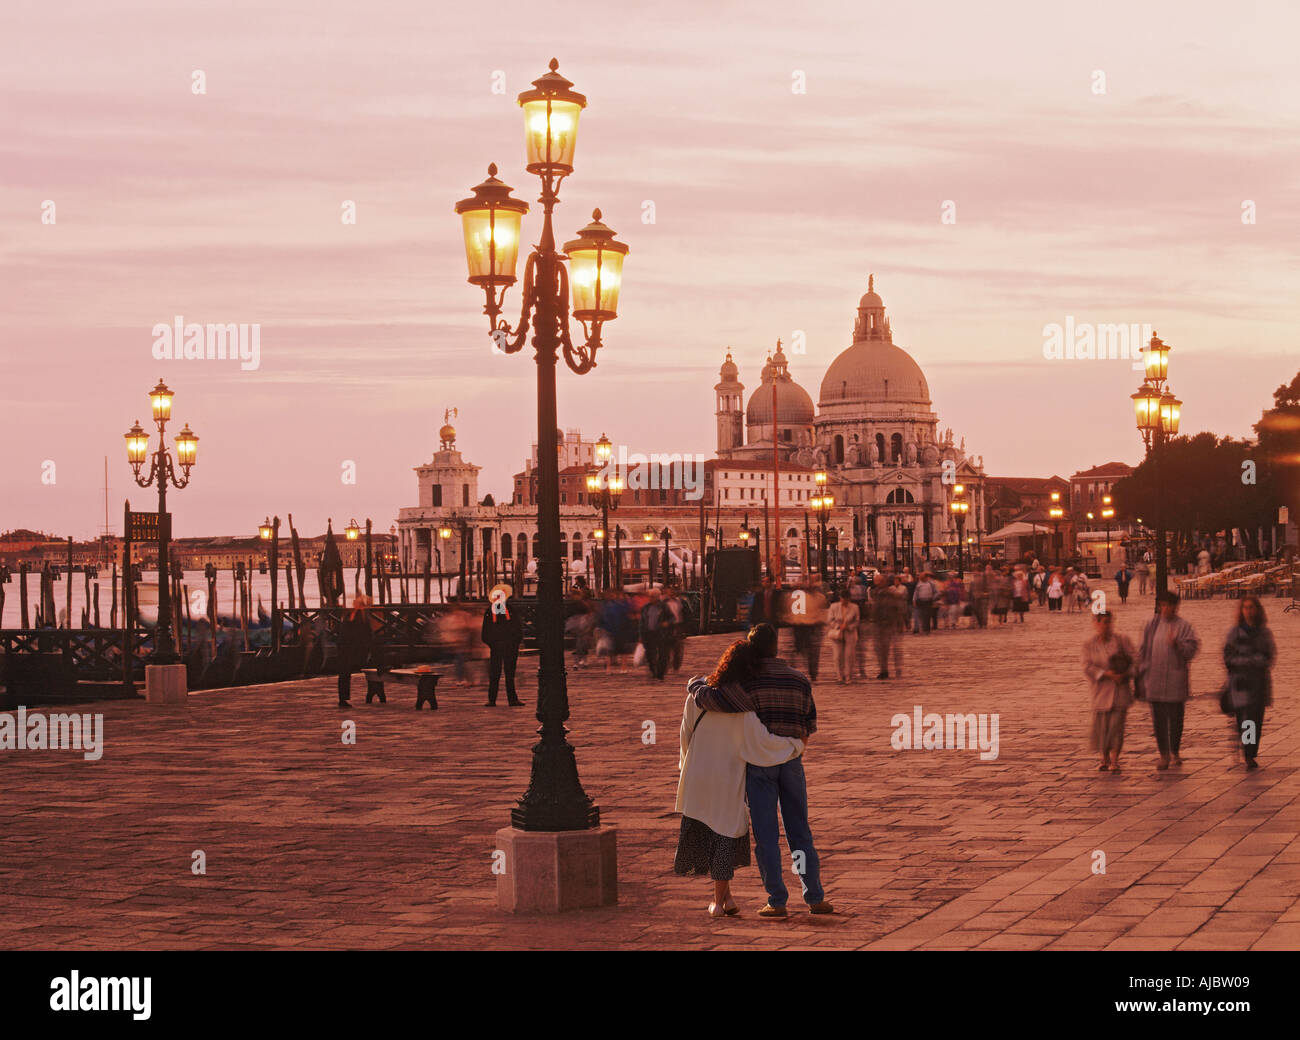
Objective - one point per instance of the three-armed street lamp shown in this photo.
(1158, 412)
(162, 470)
(606, 493)
(1107, 514)
(821, 503)
(959, 506)
(1056, 513)
(269, 532)
(555, 800)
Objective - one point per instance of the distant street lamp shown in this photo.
(1107, 514)
(821, 503)
(606, 493)
(1157, 412)
(1056, 513)
(162, 470)
(269, 532)
(444, 534)
(959, 506)
(352, 532)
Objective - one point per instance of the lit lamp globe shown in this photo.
(648, 534)
(352, 532)
(595, 271)
(551, 113)
(615, 490)
(1146, 408)
(491, 221)
(743, 536)
(265, 530)
(137, 446)
(444, 533)
(604, 449)
(161, 400)
(187, 448)
(1155, 358)
(593, 484)
(1170, 412)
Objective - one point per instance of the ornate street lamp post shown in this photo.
(1157, 413)
(606, 493)
(1107, 514)
(162, 470)
(555, 800)
(959, 506)
(1056, 513)
(821, 503)
(269, 532)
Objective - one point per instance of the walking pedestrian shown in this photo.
(1123, 578)
(889, 619)
(1108, 662)
(924, 598)
(1143, 572)
(653, 624)
(1249, 654)
(1055, 591)
(1168, 645)
(842, 630)
(353, 646)
(1020, 595)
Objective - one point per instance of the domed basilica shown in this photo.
(873, 430)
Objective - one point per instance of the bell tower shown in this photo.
(731, 410)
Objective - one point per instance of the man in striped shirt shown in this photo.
(782, 698)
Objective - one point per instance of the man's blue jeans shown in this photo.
(766, 787)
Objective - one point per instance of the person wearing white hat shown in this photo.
(503, 632)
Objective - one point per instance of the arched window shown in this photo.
(577, 545)
(880, 448)
(900, 496)
(792, 533)
(522, 542)
(896, 448)
(839, 448)
(507, 547)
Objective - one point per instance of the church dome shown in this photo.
(794, 407)
(875, 372)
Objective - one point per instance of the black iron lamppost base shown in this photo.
(555, 800)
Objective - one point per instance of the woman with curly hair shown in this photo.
(715, 747)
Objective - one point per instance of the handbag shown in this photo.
(1225, 699)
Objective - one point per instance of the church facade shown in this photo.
(873, 430)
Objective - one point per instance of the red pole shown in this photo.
(777, 557)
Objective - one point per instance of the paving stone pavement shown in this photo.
(311, 843)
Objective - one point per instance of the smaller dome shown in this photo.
(729, 372)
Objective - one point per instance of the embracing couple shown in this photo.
(744, 730)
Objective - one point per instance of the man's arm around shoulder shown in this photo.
(729, 700)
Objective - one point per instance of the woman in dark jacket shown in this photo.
(1249, 653)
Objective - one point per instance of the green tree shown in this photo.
(1278, 450)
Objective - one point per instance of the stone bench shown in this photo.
(425, 684)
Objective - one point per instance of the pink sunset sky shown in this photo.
(771, 207)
